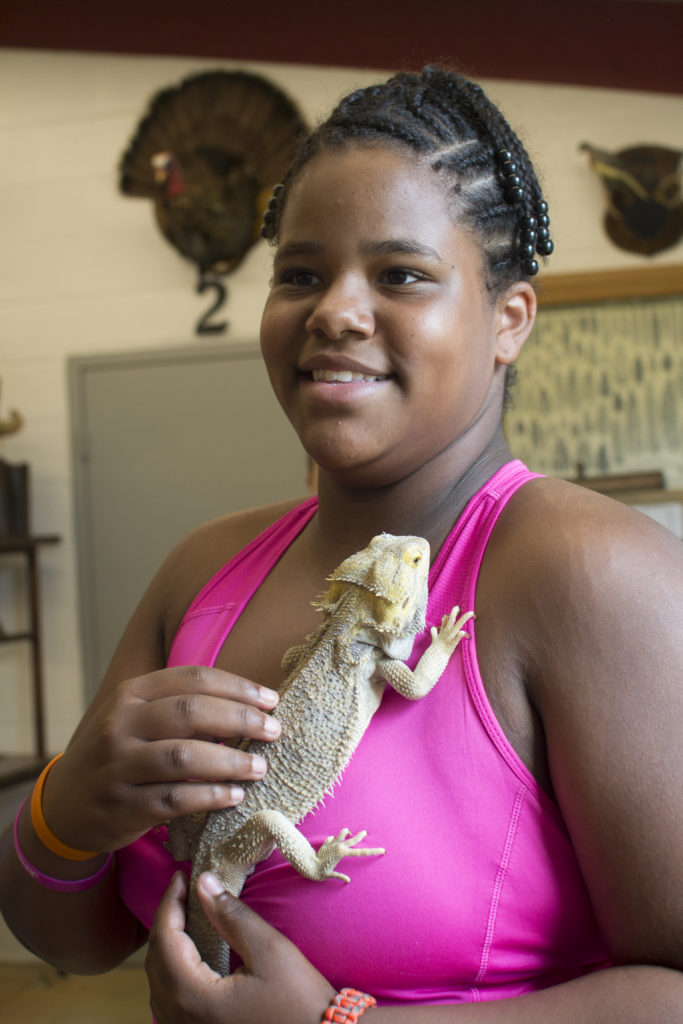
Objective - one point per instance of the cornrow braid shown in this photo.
(449, 121)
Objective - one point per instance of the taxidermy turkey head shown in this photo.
(643, 186)
(208, 153)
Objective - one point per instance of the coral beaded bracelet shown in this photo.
(347, 1006)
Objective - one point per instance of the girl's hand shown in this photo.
(153, 748)
(276, 983)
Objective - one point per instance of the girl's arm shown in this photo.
(149, 730)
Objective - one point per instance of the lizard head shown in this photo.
(393, 571)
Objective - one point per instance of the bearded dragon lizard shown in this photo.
(334, 683)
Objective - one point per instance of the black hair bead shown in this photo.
(530, 267)
(545, 247)
(527, 250)
(543, 234)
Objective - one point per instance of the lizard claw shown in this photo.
(451, 630)
(344, 845)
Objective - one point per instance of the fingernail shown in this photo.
(272, 727)
(269, 697)
(259, 765)
(210, 884)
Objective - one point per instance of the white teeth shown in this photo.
(345, 376)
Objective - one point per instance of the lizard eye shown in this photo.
(412, 555)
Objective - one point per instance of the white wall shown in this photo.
(84, 270)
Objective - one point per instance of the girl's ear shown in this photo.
(516, 314)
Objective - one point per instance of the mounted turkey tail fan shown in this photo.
(644, 201)
(208, 153)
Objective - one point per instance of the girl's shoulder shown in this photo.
(565, 562)
(556, 525)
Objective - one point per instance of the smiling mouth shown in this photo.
(346, 376)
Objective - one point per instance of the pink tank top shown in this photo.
(479, 895)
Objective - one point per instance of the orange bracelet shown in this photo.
(42, 829)
(347, 1006)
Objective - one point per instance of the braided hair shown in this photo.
(491, 183)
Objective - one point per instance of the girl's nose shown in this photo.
(340, 310)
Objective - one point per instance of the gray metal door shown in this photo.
(164, 441)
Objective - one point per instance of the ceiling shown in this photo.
(630, 44)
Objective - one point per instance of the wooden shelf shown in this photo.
(609, 285)
(10, 638)
(19, 542)
(27, 546)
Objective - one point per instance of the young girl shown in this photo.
(531, 806)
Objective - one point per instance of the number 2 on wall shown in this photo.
(205, 325)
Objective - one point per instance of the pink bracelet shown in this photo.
(56, 884)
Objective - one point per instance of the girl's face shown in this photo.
(380, 339)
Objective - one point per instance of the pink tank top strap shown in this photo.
(464, 547)
(453, 580)
(220, 602)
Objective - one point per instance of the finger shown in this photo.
(170, 915)
(244, 931)
(162, 803)
(182, 760)
(152, 794)
(172, 958)
(168, 682)
(167, 939)
(198, 715)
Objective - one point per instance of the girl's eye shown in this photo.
(400, 276)
(298, 278)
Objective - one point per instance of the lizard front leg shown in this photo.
(417, 683)
(272, 825)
